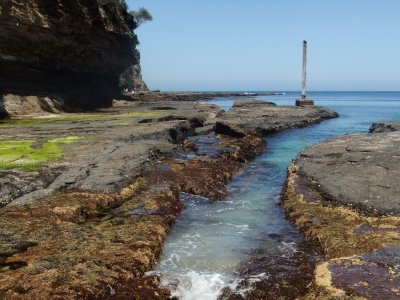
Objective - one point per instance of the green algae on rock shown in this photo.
(27, 156)
(82, 117)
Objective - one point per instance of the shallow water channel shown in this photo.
(210, 241)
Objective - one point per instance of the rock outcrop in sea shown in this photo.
(378, 127)
(58, 55)
(344, 193)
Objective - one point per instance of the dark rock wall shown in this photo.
(76, 48)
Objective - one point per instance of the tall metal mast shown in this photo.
(304, 100)
(304, 82)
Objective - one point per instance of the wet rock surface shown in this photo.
(353, 275)
(343, 194)
(207, 164)
(91, 223)
(281, 275)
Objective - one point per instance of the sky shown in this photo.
(256, 45)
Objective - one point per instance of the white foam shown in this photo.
(240, 226)
(199, 286)
(224, 209)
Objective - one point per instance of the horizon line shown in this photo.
(274, 91)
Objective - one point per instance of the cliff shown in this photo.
(131, 79)
(69, 50)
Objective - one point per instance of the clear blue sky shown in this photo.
(257, 44)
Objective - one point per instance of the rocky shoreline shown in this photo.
(90, 222)
(188, 96)
(31, 104)
(344, 194)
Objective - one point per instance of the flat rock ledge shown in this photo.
(90, 224)
(344, 194)
(259, 117)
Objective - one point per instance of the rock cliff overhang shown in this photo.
(73, 48)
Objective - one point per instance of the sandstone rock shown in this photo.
(15, 105)
(131, 79)
(76, 50)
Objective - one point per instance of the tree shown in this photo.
(142, 15)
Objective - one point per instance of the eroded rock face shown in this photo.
(76, 49)
(131, 79)
(15, 105)
(344, 194)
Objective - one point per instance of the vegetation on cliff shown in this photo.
(141, 15)
(134, 18)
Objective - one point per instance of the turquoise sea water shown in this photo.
(209, 240)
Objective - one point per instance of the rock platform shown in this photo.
(344, 194)
(262, 118)
(90, 223)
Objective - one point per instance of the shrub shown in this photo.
(140, 16)
(133, 18)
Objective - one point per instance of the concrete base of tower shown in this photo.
(304, 102)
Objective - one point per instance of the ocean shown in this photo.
(210, 240)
